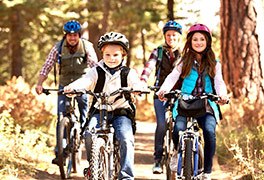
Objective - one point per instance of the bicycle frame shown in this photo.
(190, 147)
(105, 155)
(68, 137)
(105, 131)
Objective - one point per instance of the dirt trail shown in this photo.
(143, 159)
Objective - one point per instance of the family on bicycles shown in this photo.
(196, 68)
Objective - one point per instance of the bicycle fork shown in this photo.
(194, 138)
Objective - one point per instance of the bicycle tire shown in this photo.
(188, 161)
(168, 149)
(64, 156)
(201, 159)
(117, 165)
(99, 160)
(76, 150)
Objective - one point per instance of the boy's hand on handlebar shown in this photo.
(68, 89)
(161, 95)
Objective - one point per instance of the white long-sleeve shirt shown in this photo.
(112, 83)
(172, 78)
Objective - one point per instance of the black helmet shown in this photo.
(113, 38)
(72, 27)
(172, 25)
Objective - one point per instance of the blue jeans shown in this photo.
(160, 132)
(208, 125)
(82, 106)
(124, 134)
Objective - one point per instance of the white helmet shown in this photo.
(113, 38)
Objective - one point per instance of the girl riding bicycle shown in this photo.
(114, 47)
(199, 73)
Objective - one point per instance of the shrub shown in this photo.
(27, 109)
(240, 139)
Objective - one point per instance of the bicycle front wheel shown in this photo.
(188, 163)
(64, 155)
(99, 164)
(168, 149)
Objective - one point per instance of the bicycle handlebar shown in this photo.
(154, 88)
(178, 94)
(83, 91)
(128, 90)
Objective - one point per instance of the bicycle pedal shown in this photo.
(86, 172)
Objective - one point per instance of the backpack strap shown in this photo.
(85, 52)
(59, 48)
(158, 69)
(124, 73)
(101, 81)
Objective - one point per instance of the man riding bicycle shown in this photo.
(73, 55)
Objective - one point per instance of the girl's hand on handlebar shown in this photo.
(223, 100)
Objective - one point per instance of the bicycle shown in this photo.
(105, 152)
(190, 157)
(69, 142)
(168, 144)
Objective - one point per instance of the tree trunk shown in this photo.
(240, 43)
(143, 45)
(170, 4)
(15, 43)
(95, 32)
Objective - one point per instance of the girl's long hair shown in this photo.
(208, 61)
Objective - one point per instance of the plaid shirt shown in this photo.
(52, 58)
(199, 88)
(150, 65)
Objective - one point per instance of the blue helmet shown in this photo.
(72, 27)
(172, 25)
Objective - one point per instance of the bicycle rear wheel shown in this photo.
(64, 155)
(99, 164)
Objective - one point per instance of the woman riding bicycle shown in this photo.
(200, 73)
(114, 47)
(163, 60)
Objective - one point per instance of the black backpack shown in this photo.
(99, 87)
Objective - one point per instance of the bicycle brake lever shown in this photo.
(46, 91)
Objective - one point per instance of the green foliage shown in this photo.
(40, 26)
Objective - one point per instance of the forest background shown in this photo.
(29, 28)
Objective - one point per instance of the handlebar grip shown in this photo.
(45, 91)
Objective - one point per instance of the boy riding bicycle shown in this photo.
(114, 47)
